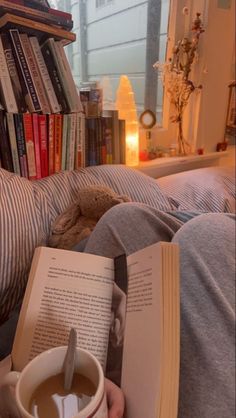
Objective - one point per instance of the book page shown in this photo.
(66, 289)
(142, 366)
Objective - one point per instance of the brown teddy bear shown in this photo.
(80, 218)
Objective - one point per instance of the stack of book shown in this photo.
(45, 124)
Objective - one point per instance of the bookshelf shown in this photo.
(47, 125)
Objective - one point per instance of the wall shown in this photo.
(216, 73)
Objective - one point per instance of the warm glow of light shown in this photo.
(132, 150)
(126, 107)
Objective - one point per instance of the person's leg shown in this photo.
(129, 227)
(207, 369)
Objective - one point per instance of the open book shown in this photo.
(71, 289)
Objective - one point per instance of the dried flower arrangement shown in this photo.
(175, 77)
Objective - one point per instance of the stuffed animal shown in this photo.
(80, 218)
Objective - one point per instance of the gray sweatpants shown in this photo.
(207, 262)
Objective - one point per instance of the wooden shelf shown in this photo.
(170, 165)
(41, 30)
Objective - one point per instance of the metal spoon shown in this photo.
(69, 361)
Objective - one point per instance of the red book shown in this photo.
(51, 143)
(43, 140)
(36, 145)
(29, 143)
(58, 142)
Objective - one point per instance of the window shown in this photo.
(100, 3)
(128, 36)
(125, 38)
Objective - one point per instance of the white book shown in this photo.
(52, 98)
(35, 73)
(13, 143)
(72, 289)
(74, 90)
(65, 75)
(5, 84)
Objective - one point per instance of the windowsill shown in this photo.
(169, 165)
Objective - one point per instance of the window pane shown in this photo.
(116, 37)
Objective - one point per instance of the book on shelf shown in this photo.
(5, 149)
(70, 141)
(21, 147)
(51, 144)
(13, 143)
(39, 29)
(58, 142)
(70, 289)
(29, 143)
(35, 122)
(19, 93)
(39, 15)
(52, 98)
(55, 79)
(6, 89)
(90, 142)
(79, 140)
(24, 70)
(65, 75)
(35, 73)
(122, 141)
(64, 141)
(107, 133)
(43, 142)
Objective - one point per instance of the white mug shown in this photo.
(49, 363)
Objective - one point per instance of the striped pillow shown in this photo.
(28, 209)
(210, 189)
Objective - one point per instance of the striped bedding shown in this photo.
(28, 209)
(210, 189)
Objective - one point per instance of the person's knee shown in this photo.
(123, 212)
(207, 229)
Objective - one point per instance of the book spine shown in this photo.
(122, 141)
(19, 51)
(5, 150)
(43, 140)
(13, 144)
(55, 79)
(6, 84)
(115, 137)
(16, 85)
(70, 152)
(58, 142)
(91, 125)
(35, 123)
(61, 73)
(52, 98)
(19, 129)
(107, 139)
(79, 141)
(64, 141)
(35, 74)
(39, 15)
(29, 142)
(67, 75)
(42, 119)
(51, 144)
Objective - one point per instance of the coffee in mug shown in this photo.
(40, 387)
(50, 399)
